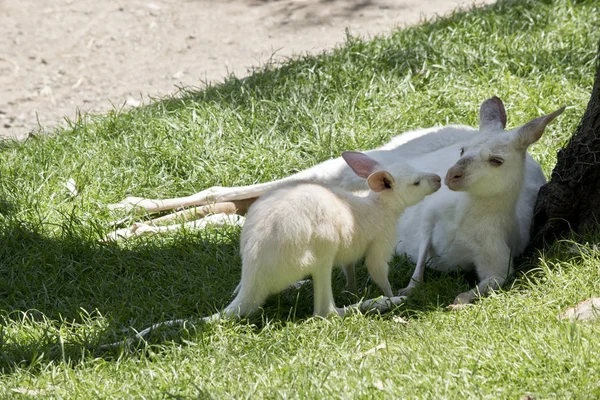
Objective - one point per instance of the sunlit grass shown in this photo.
(63, 293)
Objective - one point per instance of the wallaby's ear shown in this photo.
(361, 164)
(492, 116)
(380, 181)
(532, 131)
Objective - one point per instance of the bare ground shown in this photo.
(60, 56)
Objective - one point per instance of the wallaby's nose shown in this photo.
(454, 174)
(436, 181)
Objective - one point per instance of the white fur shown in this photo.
(480, 225)
(307, 229)
(481, 218)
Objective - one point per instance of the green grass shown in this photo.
(63, 293)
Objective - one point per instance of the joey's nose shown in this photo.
(436, 181)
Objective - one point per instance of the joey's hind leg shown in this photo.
(247, 301)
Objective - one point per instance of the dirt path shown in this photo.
(58, 56)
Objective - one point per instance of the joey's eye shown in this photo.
(416, 183)
(462, 151)
(496, 161)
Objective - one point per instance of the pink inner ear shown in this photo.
(380, 181)
(532, 131)
(361, 164)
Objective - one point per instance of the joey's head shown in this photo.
(493, 162)
(404, 186)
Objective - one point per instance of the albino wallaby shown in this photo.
(482, 220)
(307, 229)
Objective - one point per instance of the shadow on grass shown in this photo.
(76, 288)
(61, 298)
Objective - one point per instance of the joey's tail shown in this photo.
(140, 335)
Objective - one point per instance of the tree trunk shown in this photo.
(571, 200)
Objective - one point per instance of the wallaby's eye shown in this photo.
(496, 162)
(462, 151)
(416, 183)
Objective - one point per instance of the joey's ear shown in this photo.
(532, 131)
(492, 116)
(361, 164)
(380, 181)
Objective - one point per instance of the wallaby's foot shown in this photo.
(463, 300)
(140, 204)
(407, 291)
(128, 204)
(142, 229)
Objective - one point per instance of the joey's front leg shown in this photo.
(493, 266)
(376, 260)
(323, 294)
(350, 272)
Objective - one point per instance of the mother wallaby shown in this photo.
(481, 218)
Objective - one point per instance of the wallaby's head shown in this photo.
(494, 161)
(405, 186)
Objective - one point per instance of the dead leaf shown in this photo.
(587, 310)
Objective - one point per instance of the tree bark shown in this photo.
(571, 200)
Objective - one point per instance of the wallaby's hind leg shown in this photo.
(239, 207)
(156, 225)
(215, 194)
(140, 229)
(380, 304)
